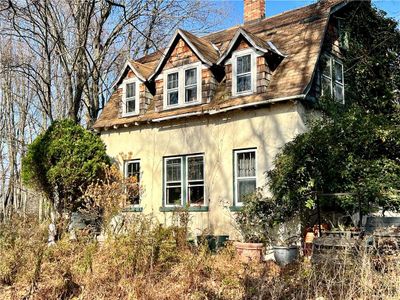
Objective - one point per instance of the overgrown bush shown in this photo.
(63, 161)
(147, 263)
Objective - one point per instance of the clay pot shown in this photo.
(249, 252)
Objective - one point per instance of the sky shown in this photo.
(235, 8)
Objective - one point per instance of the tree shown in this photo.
(353, 149)
(353, 153)
(372, 60)
(63, 161)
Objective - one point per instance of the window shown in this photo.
(332, 79)
(130, 97)
(243, 72)
(184, 180)
(132, 172)
(172, 88)
(182, 86)
(190, 85)
(245, 163)
(195, 180)
(173, 182)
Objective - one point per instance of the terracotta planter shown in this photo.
(249, 251)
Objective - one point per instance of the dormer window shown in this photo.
(130, 99)
(191, 85)
(332, 78)
(244, 71)
(182, 86)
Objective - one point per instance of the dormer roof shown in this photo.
(141, 71)
(253, 40)
(203, 48)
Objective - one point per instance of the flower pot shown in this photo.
(285, 255)
(249, 251)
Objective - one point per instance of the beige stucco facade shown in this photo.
(216, 136)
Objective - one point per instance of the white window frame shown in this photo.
(236, 178)
(181, 85)
(137, 96)
(165, 181)
(140, 172)
(332, 60)
(253, 71)
(187, 180)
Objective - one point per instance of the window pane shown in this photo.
(172, 98)
(245, 187)
(133, 169)
(196, 168)
(130, 90)
(173, 170)
(326, 66)
(173, 195)
(243, 64)
(338, 72)
(326, 86)
(339, 93)
(246, 164)
(190, 77)
(191, 94)
(172, 80)
(243, 83)
(130, 106)
(196, 195)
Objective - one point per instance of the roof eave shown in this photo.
(121, 74)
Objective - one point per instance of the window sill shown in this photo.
(133, 209)
(127, 115)
(177, 106)
(235, 208)
(180, 208)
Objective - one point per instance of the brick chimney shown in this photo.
(254, 10)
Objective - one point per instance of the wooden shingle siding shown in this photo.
(182, 55)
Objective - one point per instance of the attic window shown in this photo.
(182, 86)
(332, 79)
(244, 72)
(130, 98)
(172, 88)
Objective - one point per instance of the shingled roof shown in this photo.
(298, 34)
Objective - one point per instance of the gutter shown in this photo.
(213, 112)
(177, 116)
(219, 111)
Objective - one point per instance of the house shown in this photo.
(200, 122)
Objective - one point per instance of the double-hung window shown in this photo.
(191, 85)
(195, 179)
(245, 174)
(182, 86)
(130, 97)
(244, 72)
(172, 89)
(132, 174)
(184, 180)
(332, 79)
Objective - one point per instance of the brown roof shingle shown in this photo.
(297, 33)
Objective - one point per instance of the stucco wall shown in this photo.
(266, 129)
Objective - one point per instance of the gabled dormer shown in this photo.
(184, 75)
(134, 88)
(249, 62)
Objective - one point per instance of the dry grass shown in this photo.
(150, 262)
